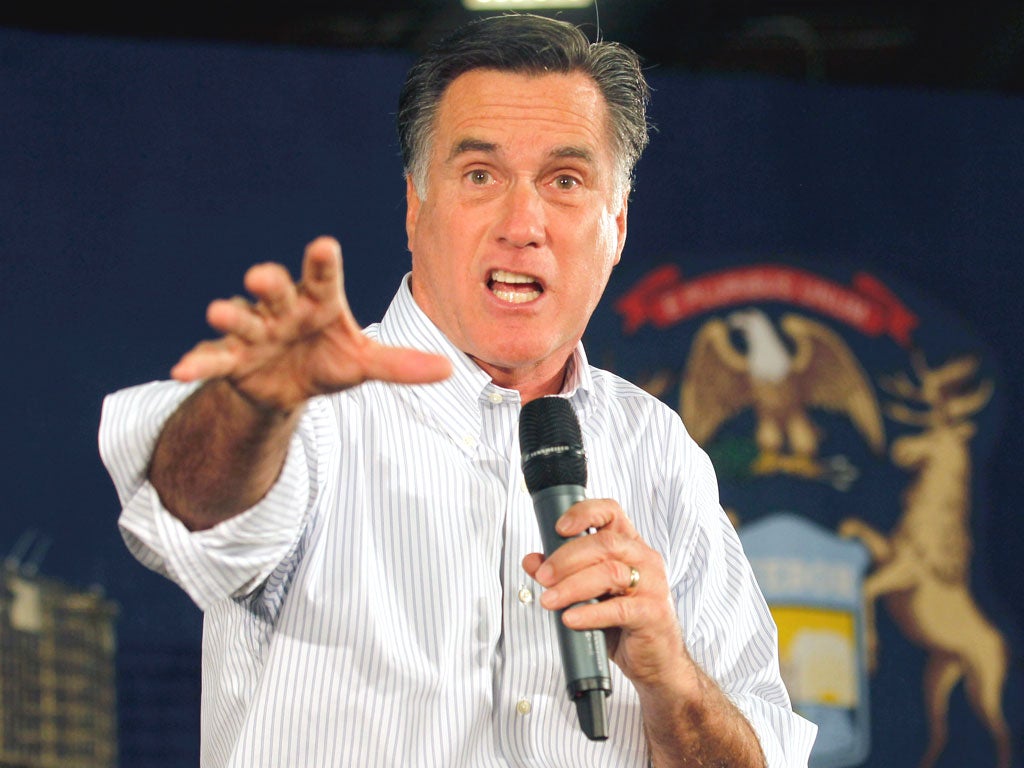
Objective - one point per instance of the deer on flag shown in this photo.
(921, 569)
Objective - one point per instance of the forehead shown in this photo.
(510, 106)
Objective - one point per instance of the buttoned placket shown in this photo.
(523, 629)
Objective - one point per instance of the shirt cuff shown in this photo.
(786, 738)
(232, 558)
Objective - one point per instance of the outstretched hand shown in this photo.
(297, 340)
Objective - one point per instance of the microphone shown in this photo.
(555, 468)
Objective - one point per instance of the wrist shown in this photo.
(262, 410)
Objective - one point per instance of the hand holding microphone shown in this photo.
(606, 585)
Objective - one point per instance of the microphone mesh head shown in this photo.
(551, 444)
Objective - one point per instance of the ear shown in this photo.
(412, 211)
(620, 225)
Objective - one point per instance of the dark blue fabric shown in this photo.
(138, 180)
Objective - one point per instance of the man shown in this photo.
(347, 506)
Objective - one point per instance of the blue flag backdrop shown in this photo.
(138, 181)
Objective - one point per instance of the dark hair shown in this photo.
(528, 44)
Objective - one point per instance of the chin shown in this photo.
(519, 358)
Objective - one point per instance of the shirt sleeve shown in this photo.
(232, 558)
(728, 628)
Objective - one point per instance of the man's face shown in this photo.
(524, 217)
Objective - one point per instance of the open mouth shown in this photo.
(513, 287)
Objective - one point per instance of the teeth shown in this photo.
(515, 297)
(500, 279)
(501, 276)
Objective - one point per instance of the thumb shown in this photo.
(401, 365)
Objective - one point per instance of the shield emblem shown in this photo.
(812, 580)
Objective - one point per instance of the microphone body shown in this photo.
(554, 466)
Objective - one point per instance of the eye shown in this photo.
(566, 183)
(479, 177)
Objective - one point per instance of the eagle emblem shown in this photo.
(743, 363)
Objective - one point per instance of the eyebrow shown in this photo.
(472, 145)
(489, 147)
(580, 153)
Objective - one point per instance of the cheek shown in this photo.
(444, 231)
(600, 254)
(443, 256)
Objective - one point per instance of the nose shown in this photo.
(522, 222)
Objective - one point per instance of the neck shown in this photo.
(531, 383)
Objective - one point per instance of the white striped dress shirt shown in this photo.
(371, 610)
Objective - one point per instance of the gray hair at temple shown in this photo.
(527, 44)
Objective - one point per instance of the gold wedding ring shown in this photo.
(634, 578)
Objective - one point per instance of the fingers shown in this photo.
(294, 340)
(321, 269)
(206, 360)
(323, 280)
(612, 562)
(276, 297)
(613, 581)
(277, 294)
(611, 538)
(531, 563)
(237, 317)
(600, 514)
(273, 288)
(591, 572)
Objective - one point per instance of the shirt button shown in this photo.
(523, 706)
(469, 441)
(525, 595)
(496, 398)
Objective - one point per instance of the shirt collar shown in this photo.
(457, 397)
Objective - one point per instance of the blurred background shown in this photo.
(149, 154)
(977, 45)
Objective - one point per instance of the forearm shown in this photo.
(689, 721)
(219, 454)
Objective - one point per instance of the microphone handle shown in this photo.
(584, 652)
